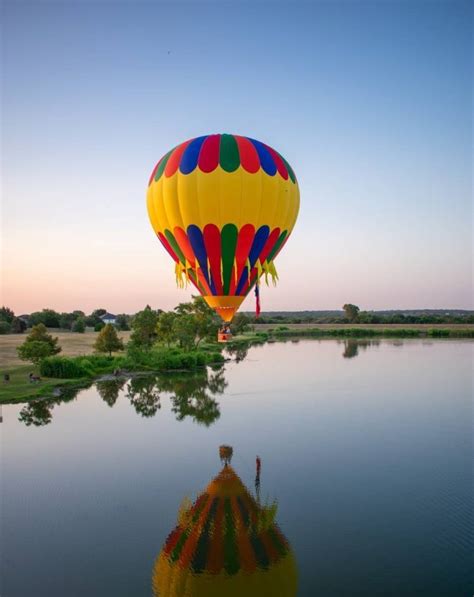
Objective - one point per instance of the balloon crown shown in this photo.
(227, 151)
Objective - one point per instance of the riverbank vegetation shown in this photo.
(361, 332)
(183, 340)
(180, 340)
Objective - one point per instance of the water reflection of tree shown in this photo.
(238, 351)
(143, 395)
(351, 346)
(351, 349)
(39, 412)
(109, 389)
(193, 394)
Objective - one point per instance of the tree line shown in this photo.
(75, 321)
(78, 321)
(353, 314)
(185, 328)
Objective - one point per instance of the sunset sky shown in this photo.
(369, 102)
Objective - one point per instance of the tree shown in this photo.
(4, 327)
(205, 321)
(107, 340)
(6, 314)
(240, 323)
(122, 322)
(49, 317)
(184, 330)
(164, 327)
(66, 320)
(18, 326)
(79, 325)
(351, 312)
(38, 345)
(144, 328)
(34, 351)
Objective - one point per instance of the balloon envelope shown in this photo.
(223, 206)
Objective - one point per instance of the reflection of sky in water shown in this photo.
(369, 458)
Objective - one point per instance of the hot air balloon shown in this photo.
(223, 206)
(225, 544)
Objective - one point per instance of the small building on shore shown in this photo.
(109, 318)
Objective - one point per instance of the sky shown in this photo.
(371, 103)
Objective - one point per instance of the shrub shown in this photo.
(79, 326)
(99, 326)
(434, 333)
(63, 368)
(76, 367)
(215, 357)
(4, 327)
(188, 361)
(201, 359)
(38, 345)
(169, 361)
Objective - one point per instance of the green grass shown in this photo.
(20, 389)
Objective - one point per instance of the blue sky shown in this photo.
(371, 103)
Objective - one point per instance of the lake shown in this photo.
(363, 484)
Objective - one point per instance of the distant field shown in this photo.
(72, 344)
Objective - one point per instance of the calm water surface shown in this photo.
(364, 485)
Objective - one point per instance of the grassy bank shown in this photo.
(367, 332)
(328, 327)
(58, 371)
(20, 389)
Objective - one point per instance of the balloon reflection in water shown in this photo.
(226, 544)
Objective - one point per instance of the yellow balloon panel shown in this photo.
(222, 198)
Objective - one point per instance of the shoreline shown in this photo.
(21, 390)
